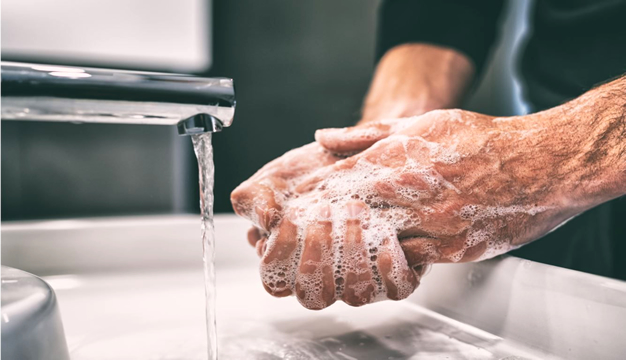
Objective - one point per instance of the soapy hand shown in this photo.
(447, 186)
(451, 185)
(360, 214)
(261, 198)
(298, 251)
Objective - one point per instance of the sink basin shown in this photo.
(132, 288)
(160, 316)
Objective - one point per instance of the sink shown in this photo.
(160, 316)
(132, 288)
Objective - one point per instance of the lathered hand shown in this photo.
(261, 198)
(447, 186)
(451, 185)
(442, 187)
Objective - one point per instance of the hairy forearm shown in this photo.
(602, 113)
(587, 140)
(412, 79)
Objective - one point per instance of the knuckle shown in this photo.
(277, 287)
(268, 216)
(355, 301)
(276, 292)
(241, 200)
(311, 299)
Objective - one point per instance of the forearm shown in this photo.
(587, 138)
(602, 112)
(412, 79)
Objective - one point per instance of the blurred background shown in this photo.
(298, 66)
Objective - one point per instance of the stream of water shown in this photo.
(204, 153)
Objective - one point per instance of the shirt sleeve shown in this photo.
(468, 26)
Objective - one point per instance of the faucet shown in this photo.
(75, 94)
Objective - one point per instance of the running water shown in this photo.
(204, 152)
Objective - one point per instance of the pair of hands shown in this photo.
(359, 214)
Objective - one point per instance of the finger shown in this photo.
(420, 271)
(279, 258)
(420, 251)
(314, 180)
(467, 246)
(311, 182)
(254, 235)
(399, 280)
(474, 252)
(256, 201)
(406, 190)
(315, 283)
(453, 249)
(354, 139)
(294, 164)
(303, 161)
(277, 293)
(261, 246)
(358, 285)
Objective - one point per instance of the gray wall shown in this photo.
(297, 65)
(67, 170)
(303, 65)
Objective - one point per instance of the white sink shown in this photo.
(132, 288)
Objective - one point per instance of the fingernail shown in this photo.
(325, 212)
(354, 209)
(322, 132)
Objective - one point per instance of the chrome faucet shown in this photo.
(75, 94)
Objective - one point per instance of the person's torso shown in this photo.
(574, 45)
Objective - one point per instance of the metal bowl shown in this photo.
(31, 321)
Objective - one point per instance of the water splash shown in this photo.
(204, 153)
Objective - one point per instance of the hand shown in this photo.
(260, 199)
(364, 228)
(453, 185)
(449, 186)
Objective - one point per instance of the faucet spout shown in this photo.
(199, 124)
(73, 94)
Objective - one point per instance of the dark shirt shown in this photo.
(573, 46)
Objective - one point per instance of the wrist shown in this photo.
(586, 139)
(412, 79)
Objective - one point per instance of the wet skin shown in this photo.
(360, 214)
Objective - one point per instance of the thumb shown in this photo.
(354, 139)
